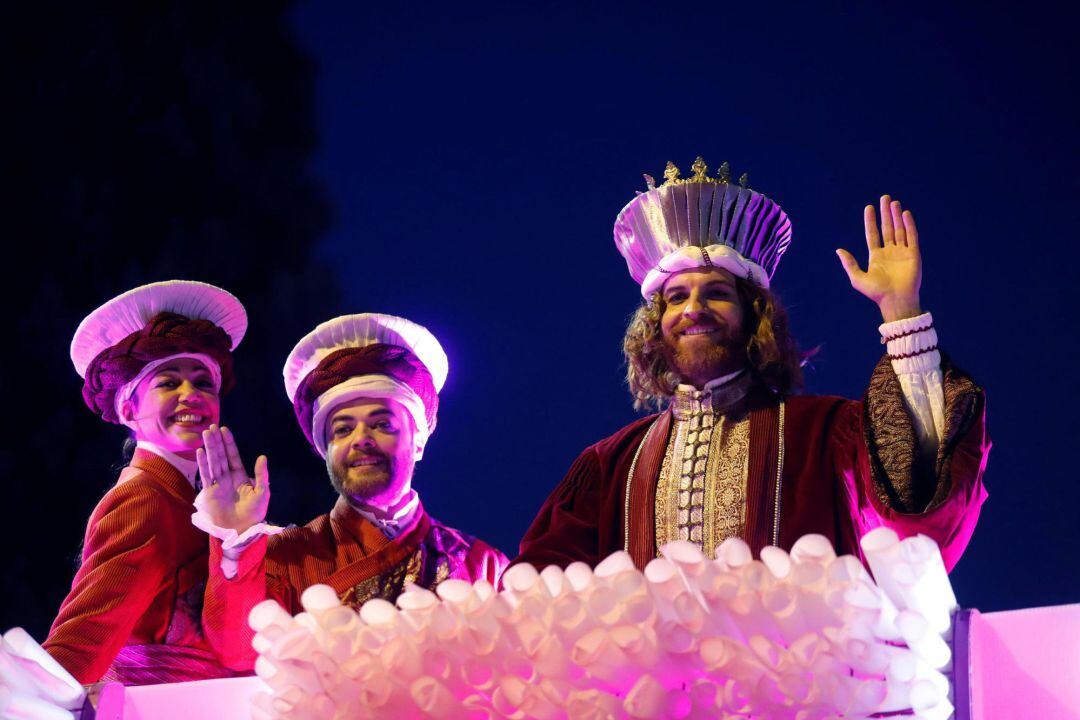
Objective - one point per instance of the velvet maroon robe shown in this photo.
(847, 468)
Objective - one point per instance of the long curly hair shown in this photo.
(772, 356)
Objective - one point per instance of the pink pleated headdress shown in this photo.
(699, 222)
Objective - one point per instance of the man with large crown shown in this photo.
(735, 452)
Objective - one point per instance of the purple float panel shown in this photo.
(104, 701)
(226, 698)
(1021, 664)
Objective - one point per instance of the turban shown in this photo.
(166, 334)
(367, 355)
(378, 370)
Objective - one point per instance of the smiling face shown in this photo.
(173, 405)
(370, 452)
(702, 324)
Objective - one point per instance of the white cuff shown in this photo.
(912, 344)
(233, 543)
(918, 368)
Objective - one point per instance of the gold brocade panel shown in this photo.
(392, 583)
(701, 491)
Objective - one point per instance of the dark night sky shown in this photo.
(473, 160)
(477, 159)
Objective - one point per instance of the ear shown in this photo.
(127, 411)
(418, 453)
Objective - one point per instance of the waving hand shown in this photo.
(893, 273)
(233, 499)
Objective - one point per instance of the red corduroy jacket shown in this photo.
(143, 572)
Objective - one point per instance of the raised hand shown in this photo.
(894, 272)
(232, 499)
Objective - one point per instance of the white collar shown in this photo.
(714, 383)
(717, 397)
(391, 525)
(188, 468)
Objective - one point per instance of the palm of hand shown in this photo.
(251, 504)
(231, 498)
(233, 501)
(893, 274)
(892, 270)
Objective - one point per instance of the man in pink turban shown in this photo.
(365, 389)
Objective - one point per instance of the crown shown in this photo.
(698, 221)
(699, 168)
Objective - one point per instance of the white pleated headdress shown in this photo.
(129, 313)
(360, 331)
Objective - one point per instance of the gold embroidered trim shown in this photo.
(892, 440)
(667, 508)
(778, 506)
(701, 490)
(687, 401)
(729, 464)
(901, 482)
(629, 483)
(660, 516)
(389, 585)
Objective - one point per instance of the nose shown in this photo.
(694, 307)
(362, 437)
(189, 394)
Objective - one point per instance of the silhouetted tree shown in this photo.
(164, 140)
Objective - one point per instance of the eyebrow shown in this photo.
(349, 418)
(722, 282)
(174, 369)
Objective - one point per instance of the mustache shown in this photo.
(710, 323)
(372, 453)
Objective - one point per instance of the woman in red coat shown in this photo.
(156, 360)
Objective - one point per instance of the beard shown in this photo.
(360, 485)
(700, 361)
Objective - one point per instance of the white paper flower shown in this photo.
(803, 635)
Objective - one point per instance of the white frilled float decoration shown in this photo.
(807, 636)
(33, 686)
